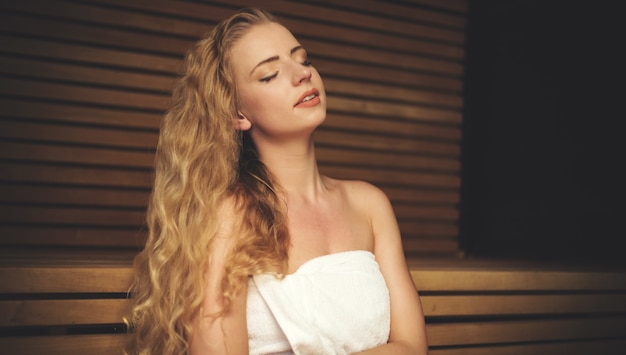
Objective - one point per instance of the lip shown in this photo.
(311, 102)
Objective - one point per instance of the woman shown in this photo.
(250, 248)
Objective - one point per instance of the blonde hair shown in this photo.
(200, 161)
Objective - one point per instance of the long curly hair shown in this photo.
(201, 160)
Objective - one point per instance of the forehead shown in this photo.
(261, 42)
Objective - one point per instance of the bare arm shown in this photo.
(408, 331)
(228, 333)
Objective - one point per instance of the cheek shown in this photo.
(255, 106)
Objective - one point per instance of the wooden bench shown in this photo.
(75, 303)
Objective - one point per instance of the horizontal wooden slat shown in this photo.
(452, 279)
(400, 128)
(379, 92)
(576, 347)
(83, 95)
(100, 344)
(459, 6)
(92, 136)
(385, 109)
(399, 177)
(75, 155)
(423, 246)
(21, 313)
(400, 11)
(56, 215)
(78, 279)
(74, 175)
(385, 143)
(82, 74)
(63, 236)
(537, 304)
(328, 155)
(439, 213)
(62, 112)
(387, 75)
(64, 195)
(399, 194)
(433, 229)
(525, 331)
(89, 54)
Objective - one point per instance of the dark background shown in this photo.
(543, 141)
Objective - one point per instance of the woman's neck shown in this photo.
(294, 165)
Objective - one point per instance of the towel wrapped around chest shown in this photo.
(333, 304)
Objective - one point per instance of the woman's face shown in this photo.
(279, 94)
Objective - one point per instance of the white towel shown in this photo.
(333, 304)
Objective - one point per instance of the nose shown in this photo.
(302, 74)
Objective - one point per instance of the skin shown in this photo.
(325, 215)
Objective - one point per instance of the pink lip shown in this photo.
(312, 101)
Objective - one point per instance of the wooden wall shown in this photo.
(83, 85)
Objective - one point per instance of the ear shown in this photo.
(241, 122)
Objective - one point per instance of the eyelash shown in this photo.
(267, 79)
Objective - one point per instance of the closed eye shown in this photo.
(307, 63)
(267, 79)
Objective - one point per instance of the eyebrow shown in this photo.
(275, 58)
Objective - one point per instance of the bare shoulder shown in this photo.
(363, 194)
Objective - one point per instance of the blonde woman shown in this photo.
(250, 249)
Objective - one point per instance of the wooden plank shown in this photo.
(75, 134)
(576, 347)
(433, 213)
(400, 177)
(19, 313)
(186, 9)
(430, 246)
(34, 68)
(453, 278)
(83, 95)
(386, 74)
(525, 331)
(75, 155)
(79, 53)
(73, 195)
(536, 304)
(360, 123)
(100, 344)
(61, 215)
(403, 195)
(392, 92)
(384, 143)
(459, 6)
(330, 155)
(432, 229)
(85, 176)
(73, 236)
(395, 110)
(50, 279)
(401, 12)
(63, 112)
